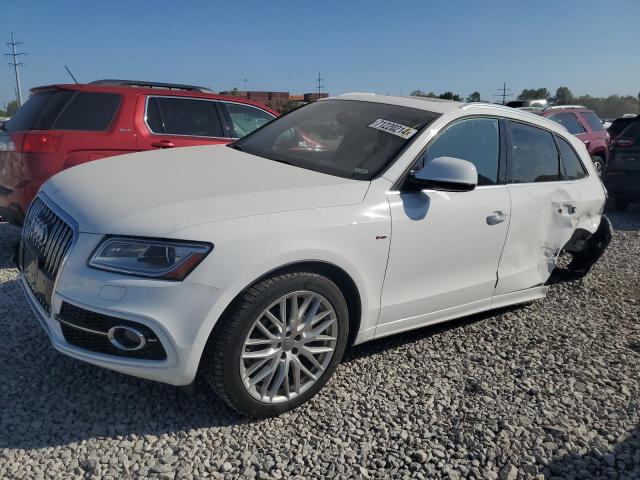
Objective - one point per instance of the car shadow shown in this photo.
(412, 336)
(624, 458)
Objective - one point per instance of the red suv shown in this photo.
(64, 125)
(584, 124)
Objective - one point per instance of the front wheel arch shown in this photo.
(340, 277)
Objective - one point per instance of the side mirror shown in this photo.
(445, 173)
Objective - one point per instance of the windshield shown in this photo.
(346, 138)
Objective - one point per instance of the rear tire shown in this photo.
(248, 365)
(621, 204)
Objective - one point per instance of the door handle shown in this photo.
(163, 144)
(496, 218)
(569, 208)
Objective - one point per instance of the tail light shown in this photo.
(624, 141)
(48, 142)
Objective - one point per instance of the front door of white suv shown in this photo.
(445, 246)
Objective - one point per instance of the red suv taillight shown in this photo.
(41, 142)
(624, 141)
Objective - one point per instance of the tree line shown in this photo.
(610, 107)
(10, 109)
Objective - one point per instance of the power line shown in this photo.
(320, 84)
(506, 92)
(14, 56)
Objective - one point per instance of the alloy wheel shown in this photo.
(288, 347)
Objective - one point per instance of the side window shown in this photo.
(246, 119)
(573, 169)
(533, 156)
(594, 122)
(89, 111)
(476, 140)
(568, 121)
(153, 117)
(183, 116)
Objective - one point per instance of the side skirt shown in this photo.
(440, 316)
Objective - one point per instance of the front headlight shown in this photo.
(165, 259)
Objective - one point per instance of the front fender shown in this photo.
(246, 249)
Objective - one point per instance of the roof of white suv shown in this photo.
(438, 105)
(435, 105)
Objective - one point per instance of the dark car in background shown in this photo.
(65, 125)
(622, 175)
(584, 124)
(618, 125)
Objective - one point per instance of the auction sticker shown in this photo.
(393, 128)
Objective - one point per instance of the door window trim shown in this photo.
(215, 102)
(502, 163)
(584, 169)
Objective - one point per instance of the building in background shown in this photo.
(281, 101)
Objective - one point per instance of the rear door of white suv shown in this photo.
(545, 208)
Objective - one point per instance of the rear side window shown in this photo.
(594, 122)
(90, 111)
(533, 156)
(633, 130)
(476, 140)
(40, 111)
(618, 126)
(245, 119)
(568, 121)
(572, 166)
(183, 116)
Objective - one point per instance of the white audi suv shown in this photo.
(257, 264)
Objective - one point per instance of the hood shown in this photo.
(158, 192)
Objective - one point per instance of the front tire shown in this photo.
(278, 344)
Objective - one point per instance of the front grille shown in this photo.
(47, 238)
(73, 319)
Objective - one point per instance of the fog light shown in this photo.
(126, 338)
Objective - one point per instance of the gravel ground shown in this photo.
(549, 389)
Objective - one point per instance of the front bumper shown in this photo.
(181, 314)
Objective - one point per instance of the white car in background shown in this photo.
(349, 219)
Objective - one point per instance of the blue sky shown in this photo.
(375, 46)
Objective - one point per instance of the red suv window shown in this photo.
(594, 122)
(183, 116)
(568, 121)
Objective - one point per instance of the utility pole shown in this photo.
(14, 56)
(506, 92)
(320, 84)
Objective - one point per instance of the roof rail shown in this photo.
(147, 84)
(510, 109)
(561, 107)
